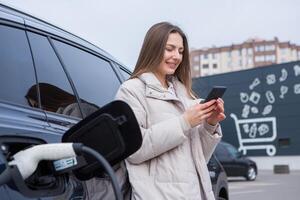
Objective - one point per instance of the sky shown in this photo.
(119, 26)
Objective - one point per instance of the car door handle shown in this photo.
(61, 123)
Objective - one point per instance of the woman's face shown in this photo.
(173, 55)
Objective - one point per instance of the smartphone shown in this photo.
(215, 93)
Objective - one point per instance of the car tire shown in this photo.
(251, 173)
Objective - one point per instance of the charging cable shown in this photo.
(27, 161)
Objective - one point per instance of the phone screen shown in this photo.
(216, 92)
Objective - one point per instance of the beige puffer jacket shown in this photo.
(171, 163)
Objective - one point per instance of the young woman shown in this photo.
(179, 134)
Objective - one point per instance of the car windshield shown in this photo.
(232, 150)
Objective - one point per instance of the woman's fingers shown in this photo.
(212, 111)
(207, 104)
(205, 116)
(220, 107)
(220, 100)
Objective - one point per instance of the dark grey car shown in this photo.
(218, 178)
(234, 163)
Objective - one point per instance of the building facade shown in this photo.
(263, 113)
(252, 53)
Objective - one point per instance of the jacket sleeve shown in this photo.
(158, 138)
(210, 136)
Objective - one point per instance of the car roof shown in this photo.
(226, 144)
(13, 14)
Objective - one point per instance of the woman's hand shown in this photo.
(199, 112)
(217, 114)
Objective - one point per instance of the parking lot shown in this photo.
(267, 186)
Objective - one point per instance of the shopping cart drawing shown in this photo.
(256, 133)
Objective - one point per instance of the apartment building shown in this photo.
(254, 52)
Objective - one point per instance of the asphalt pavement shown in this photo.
(267, 186)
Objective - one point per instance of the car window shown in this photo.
(93, 77)
(221, 152)
(232, 150)
(124, 72)
(17, 71)
(55, 90)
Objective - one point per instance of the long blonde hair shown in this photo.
(152, 52)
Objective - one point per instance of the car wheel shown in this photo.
(251, 174)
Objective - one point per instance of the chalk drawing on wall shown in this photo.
(263, 129)
(244, 97)
(297, 70)
(246, 111)
(284, 75)
(283, 90)
(270, 96)
(254, 97)
(267, 110)
(255, 83)
(254, 110)
(256, 133)
(255, 129)
(297, 88)
(271, 79)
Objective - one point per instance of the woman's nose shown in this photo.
(176, 55)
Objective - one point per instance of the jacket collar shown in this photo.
(151, 81)
(154, 88)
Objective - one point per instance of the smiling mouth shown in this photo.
(172, 65)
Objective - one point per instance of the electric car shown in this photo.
(50, 80)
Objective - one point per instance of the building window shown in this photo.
(229, 53)
(284, 51)
(229, 63)
(270, 58)
(214, 56)
(205, 56)
(249, 51)
(249, 61)
(244, 51)
(270, 47)
(240, 62)
(205, 66)
(240, 52)
(196, 67)
(259, 58)
(215, 66)
(260, 48)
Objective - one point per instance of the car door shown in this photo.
(239, 165)
(22, 121)
(227, 159)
